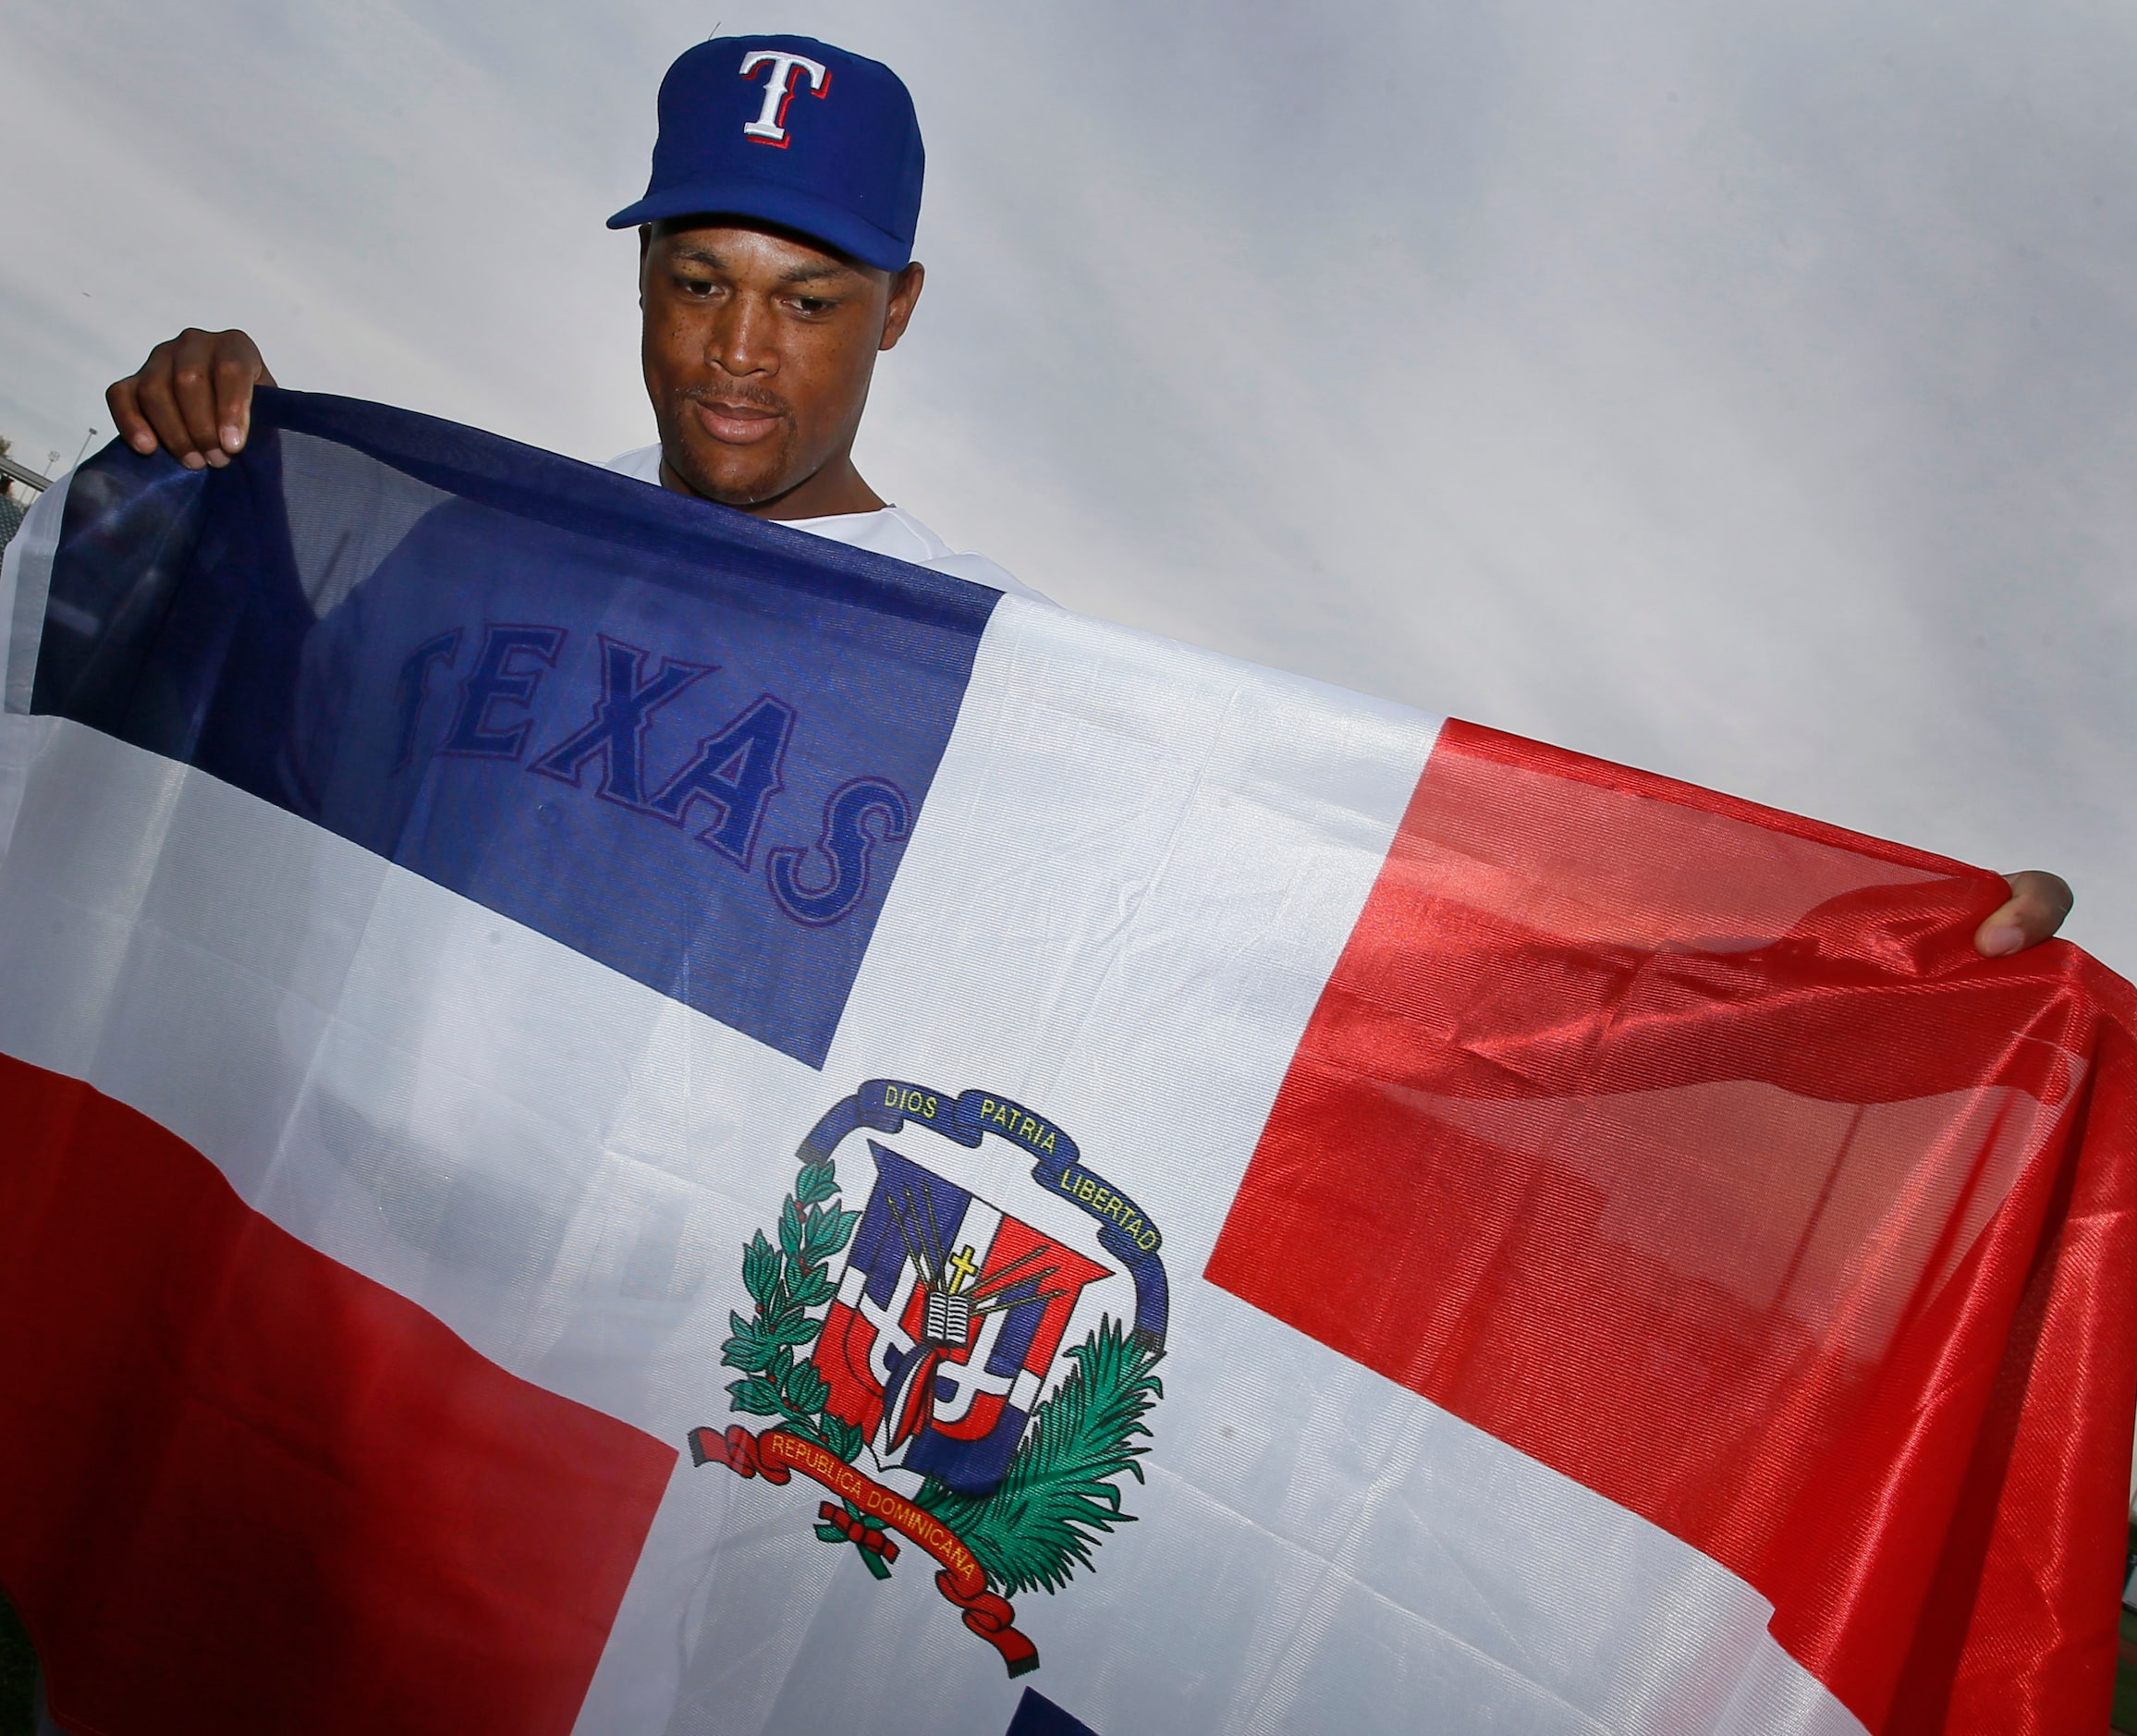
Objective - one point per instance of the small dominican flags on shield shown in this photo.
(948, 1318)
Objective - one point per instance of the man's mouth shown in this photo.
(735, 423)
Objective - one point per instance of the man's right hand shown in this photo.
(193, 395)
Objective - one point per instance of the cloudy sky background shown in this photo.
(1742, 392)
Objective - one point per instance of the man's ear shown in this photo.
(905, 286)
(644, 250)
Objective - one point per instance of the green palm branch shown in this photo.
(1059, 1496)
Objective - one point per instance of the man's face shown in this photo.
(758, 350)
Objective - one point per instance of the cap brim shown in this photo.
(770, 202)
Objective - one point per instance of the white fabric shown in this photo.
(893, 531)
(25, 585)
(1315, 1549)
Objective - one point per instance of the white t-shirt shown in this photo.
(891, 530)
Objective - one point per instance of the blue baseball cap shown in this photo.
(792, 131)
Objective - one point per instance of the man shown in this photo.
(775, 264)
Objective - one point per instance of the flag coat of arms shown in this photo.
(938, 1357)
(619, 1119)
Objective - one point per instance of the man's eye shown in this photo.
(694, 286)
(812, 304)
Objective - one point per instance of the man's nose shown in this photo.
(741, 338)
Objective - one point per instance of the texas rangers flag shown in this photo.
(616, 1119)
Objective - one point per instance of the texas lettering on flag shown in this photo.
(616, 1119)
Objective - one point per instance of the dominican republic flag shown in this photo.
(616, 1119)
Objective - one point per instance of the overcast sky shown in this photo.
(1742, 392)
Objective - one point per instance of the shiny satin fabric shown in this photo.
(1756, 1200)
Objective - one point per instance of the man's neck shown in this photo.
(832, 492)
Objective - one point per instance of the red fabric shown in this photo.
(289, 1500)
(1690, 1149)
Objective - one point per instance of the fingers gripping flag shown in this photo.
(620, 1119)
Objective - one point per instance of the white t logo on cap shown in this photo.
(770, 123)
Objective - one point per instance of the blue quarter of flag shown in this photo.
(683, 742)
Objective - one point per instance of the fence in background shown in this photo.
(23, 473)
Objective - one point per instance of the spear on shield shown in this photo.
(949, 1311)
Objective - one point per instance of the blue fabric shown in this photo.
(830, 146)
(681, 740)
(1038, 1716)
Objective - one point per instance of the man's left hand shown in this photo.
(2035, 910)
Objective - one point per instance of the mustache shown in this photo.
(738, 393)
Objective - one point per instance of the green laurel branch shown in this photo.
(786, 1281)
